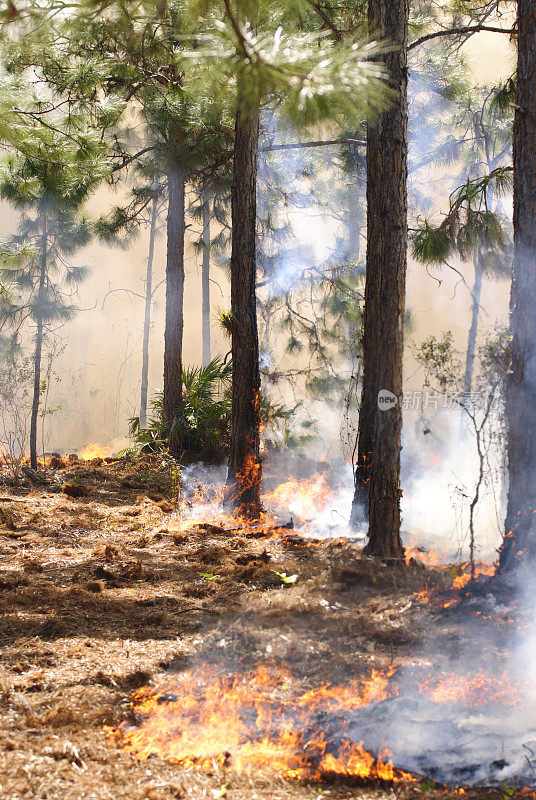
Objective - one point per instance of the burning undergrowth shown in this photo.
(477, 727)
(252, 720)
(309, 507)
(459, 707)
(111, 596)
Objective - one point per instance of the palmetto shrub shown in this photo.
(203, 420)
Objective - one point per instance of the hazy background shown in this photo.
(98, 372)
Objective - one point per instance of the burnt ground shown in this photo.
(99, 595)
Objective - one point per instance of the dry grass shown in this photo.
(98, 597)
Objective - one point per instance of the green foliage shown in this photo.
(441, 362)
(431, 244)
(427, 784)
(469, 226)
(285, 579)
(263, 47)
(182, 76)
(474, 224)
(46, 176)
(508, 791)
(16, 377)
(226, 322)
(443, 369)
(504, 98)
(203, 420)
(496, 356)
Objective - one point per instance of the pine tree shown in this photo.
(245, 472)
(519, 546)
(314, 84)
(205, 280)
(126, 71)
(474, 226)
(377, 477)
(147, 316)
(47, 180)
(263, 50)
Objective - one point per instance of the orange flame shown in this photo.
(249, 721)
(202, 507)
(481, 568)
(475, 690)
(94, 450)
(304, 499)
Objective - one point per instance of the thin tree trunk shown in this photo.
(245, 469)
(205, 280)
(473, 330)
(355, 204)
(268, 312)
(354, 221)
(172, 399)
(147, 317)
(377, 477)
(38, 344)
(478, 264)
(519, 544)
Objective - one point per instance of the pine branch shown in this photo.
(318, 143)
(468, 29)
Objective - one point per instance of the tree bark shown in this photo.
(38, 344)
(519, 544)
(147, 318)
(205, 280)
(245, 468)
(377, 479)
(172, 399)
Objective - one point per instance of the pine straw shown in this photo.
(98, 597)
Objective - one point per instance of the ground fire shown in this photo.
(251, 721)
(258, 719)
(275, 688)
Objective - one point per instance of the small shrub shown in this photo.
(203, 421)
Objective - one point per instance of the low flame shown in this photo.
(481, 568)
(431, 557)
(303, 499)
(476, 690)
(255, 720)
(94, 450)
(459, 573)
(299, 501)
(251, 721)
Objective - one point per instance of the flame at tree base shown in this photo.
(250, 722)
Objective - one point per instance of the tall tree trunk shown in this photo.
(147, 317)
(205, 279)
(479, 267)
(473, 330)
(378, 467)
(38, 344)
(245, 469)
(172, 399)
(355, 203)
(520, 540)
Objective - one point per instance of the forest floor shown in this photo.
(100, 594)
